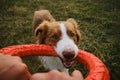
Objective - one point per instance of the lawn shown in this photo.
(98, 20)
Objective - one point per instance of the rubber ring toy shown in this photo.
(97, 69)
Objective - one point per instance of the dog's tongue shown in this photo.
(67, 64)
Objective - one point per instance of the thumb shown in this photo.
(39, 76)
(77, 75)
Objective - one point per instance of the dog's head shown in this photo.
(63, 36)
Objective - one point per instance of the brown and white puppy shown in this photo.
(63, 36)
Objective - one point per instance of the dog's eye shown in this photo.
(72, 34)
(54, 37)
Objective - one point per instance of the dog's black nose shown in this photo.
(69, 54)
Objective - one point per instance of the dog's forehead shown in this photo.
(69, 26)
(54, 27)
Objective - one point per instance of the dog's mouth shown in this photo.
(67, 63)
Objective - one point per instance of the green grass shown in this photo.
(98, 20)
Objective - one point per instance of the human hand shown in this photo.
(12, 68)
(56, 75)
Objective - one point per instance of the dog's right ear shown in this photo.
(40, 16)
(36, 20)
(41, 32)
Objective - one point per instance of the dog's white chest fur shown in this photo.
(52, 63)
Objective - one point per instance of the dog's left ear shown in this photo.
(73, 21)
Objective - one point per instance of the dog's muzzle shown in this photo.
(68, 56)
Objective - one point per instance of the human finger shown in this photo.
(77, 75)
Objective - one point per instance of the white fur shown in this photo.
(63, 44)
(52, 63)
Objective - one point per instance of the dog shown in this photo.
(63, 36)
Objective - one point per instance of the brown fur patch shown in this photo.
(48, 33)
(40, 16)
(47, 30)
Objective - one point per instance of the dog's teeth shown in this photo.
(67, 64)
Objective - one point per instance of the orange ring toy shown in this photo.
(97, 70)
